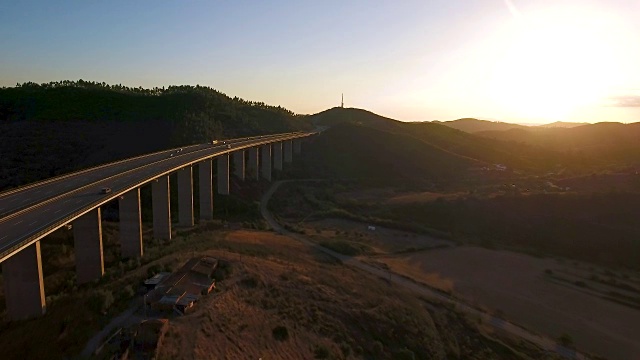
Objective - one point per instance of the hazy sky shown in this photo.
(518, 61)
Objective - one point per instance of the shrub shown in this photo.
(405, 354)
(249, 282)
(345, 348)
(342, 247)
(321, 352)
(100, 301)
(223, 270)
(565, 340)
(128, 292)
(377, 348)
(280, 333)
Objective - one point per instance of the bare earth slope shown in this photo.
(516, 285)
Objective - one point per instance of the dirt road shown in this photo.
(542, 341)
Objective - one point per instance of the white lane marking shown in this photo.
(17, 222)
(33, 223)
(57, 211)
(14, 199)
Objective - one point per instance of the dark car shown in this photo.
(105, 190)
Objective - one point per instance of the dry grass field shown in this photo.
(548, 296)
(299, 304)
(518, 286)
(381, 240)
(279, 299)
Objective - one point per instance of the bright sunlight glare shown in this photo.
(557, 62)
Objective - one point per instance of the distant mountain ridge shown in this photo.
(562, 124)
(472, 125)
(581, 147)
(446, 138)
(607, 143)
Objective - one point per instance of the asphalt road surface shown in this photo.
(29, 213)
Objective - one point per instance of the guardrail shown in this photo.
(44, 230)
(115, 162)
(16, 211)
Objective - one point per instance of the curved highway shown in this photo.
(29, 213)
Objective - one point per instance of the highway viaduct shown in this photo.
(29, 213)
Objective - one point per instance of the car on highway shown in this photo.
(105, 190)
(214, 142)
(228, 146)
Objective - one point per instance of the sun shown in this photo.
(555, 63)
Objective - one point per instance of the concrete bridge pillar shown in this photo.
(87, 241)
(161, 208)
(277, 155)
(288, 151)
(238, 164)
(130, 224)
(206, 191)
(252, 166)
(185, 196)
(23, 285)
(265, 160)
(223, 174)
(297, 146)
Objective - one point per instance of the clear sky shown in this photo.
(511, 60)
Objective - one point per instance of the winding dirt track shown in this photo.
(543, 342)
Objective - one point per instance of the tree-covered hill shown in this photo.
(180, 105)
(54, 128)
(604, 144)
(471, 125)
(515, 156)
(349, 151)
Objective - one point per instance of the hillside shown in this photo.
(54, 128)
(356, 151)
(275, 297)
(471, 125)
(520, 156)
(562, 124)
(337, 115)
(606, 143)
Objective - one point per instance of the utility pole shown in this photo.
(342, 102)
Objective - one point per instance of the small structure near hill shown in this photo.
(141, 341)
(181, 290)
(151, 283)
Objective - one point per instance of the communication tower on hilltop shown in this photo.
(342, 102)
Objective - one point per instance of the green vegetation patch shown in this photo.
(345, 247)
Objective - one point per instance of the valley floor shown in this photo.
(538, 293)
(517, 286)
